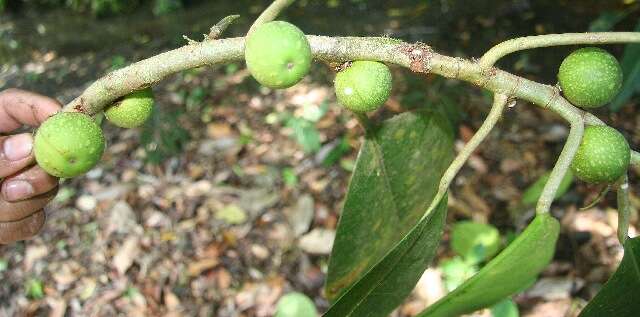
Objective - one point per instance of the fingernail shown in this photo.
(17, 147)
(17, 190)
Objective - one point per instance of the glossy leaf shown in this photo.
(394, 181)
(620, 296)
(506, 274)
(391, 280)
(606, 21)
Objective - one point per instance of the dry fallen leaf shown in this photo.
(197, 267)
(126, 254)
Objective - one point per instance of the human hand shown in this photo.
(25, 188)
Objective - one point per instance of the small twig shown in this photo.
(499, 102)
(364, 121)
(217, 30)
(270, 13)
(189, 41)
(624, 208)
(601, 195)
(529, 42)
(564, 161)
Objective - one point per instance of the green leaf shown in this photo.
(475, 241)
(620, 296)
(630, 74)
(606, 21)
(162, 136)
(395, 179)
(391, 280)
(337, 152)
(34, 289)
(506, 274)
(533, 192)
(505, 308)
(455, 271)
(305, 133)
(289, 177)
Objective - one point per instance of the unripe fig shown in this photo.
(132, 110)
(590, 77)
(603, 155)
(295, 305)
(363, 86)
(68, 144)
(278, 54)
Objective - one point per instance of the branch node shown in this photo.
(556, 94)
(515, 87)
(420, 55)
(487, 75)
(190, 41)
(458, 61)
(219, 28)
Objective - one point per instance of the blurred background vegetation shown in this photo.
(217, 125)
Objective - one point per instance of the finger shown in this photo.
(29, 183)
(21, 229)
(14, 211)
(19, 107)
(15, 153)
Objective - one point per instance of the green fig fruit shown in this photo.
(603, 155)
(590, 77)
(278, 54)
(68, 144)
(132, 110)
(363, 86)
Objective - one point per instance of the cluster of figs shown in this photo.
(278, 55)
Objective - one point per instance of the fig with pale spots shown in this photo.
(278, 54)
(603, 155)
(363, 86)
(132, 110)
(590, 77)
(68, 144)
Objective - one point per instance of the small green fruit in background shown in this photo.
(590, 77)
(295, 305)
(278, 54)
(132, 110)
(477, 241)
(603, 155)
(363, 86)
(68, 144)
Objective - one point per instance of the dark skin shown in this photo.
(25, 188)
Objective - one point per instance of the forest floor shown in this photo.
(216, 209)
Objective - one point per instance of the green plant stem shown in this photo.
(270, 13)
(562, 164)
(417, 57)
(529, 42)
(624, 208)
(499, 102)
(364, 121)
